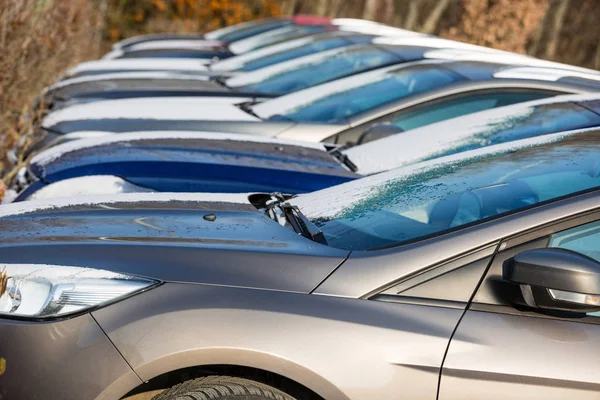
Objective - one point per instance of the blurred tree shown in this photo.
(130, 17)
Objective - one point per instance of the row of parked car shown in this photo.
(350, 211)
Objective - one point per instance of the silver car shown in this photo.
(474, 276)
(338, 111)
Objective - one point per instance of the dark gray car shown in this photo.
(472, 276)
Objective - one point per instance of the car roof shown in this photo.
(99, 138)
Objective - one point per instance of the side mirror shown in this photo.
(378, 131)
(556, 279)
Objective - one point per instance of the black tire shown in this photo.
(222, 388)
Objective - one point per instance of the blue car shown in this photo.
(234, 163)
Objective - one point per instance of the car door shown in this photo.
(444, 108)
(501, 351)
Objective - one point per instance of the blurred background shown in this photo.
(40, 39)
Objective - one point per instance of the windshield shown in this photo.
(356, 95)
(275, 36)
(442, 194)
(247, 29)
(533, 121)
(322, 68)
(502, 125)
(312, 47)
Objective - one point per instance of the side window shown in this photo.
(458, 106)
(584, 239)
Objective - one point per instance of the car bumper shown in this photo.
(68, 359)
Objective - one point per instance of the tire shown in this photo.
(222, 388)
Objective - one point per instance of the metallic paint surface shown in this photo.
(339, 348)
(69, 359)
(171, 241)
(520, 357)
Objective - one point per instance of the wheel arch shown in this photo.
(278, 372)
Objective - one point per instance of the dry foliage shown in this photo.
(130, 17)
(39, 39)
(502, 24)
(3, 281)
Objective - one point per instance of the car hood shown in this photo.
(200, 238)
(142, 85)
(195, 161)
(143, 64)
(81, 116)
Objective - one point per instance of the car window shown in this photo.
(442, 194)
(323, 70)
(246, 30)
(584, 239)
(290, 32)
(456, 107)
(532, 121)
(338, 106)
(593, 105)
(297, 52)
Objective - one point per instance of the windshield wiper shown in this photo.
(336, 151)
(288, 215)
(279, 117)
(222, 80)
(247, 107)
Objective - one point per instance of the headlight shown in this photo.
(87, 185)
(41, 291)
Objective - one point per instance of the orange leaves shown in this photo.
(130, 17)
(160, 5)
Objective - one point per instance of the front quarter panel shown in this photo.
(69, 359)
(338, 347)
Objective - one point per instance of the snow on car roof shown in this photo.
(129, 75)
(434, 42)
(104, 201)
(507, 58)
(177, 108)
(97, 139)
(168, 64)
(546, 74)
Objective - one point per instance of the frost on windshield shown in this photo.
(319, 68)
(549, 118)
(470, 132)
(437, 195)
